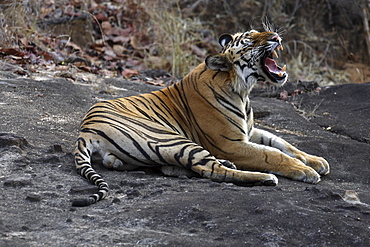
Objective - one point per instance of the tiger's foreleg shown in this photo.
(320, 165)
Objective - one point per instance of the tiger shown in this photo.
(202, 124)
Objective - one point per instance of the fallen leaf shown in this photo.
(119, 49)
(106, 27)
(12, 51)
(24, 41)
(128, 73)
(100, 17)
(120, 39)
(46, 55)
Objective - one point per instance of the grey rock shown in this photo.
(166, 211)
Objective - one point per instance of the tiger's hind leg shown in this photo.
(160, 145)
(176, 171)
(183, 153)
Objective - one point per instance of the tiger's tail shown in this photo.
(83, 165)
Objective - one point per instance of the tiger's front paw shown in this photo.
(302, 172)
(320, 165)
(310, 176)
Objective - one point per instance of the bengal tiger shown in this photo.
(202, 124)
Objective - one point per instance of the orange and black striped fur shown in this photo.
(203, 123)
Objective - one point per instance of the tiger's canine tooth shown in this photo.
(275, 54)
(284, 68)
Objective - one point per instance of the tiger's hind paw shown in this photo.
(271, 180)
(263, 180)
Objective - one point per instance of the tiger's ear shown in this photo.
(225, 39)
(218, 62)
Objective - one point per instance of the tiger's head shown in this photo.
(250, 56)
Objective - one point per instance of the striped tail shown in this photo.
(84, 168)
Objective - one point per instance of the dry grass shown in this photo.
(316, 49)
(18, 19)
(174, 38)
(305, 64)
(323, 35)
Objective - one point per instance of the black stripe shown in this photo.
(181, 121)
(156, 149)
(126, 118)
(192, 153)
(82, 145)
(215, 74)
(102, 134)
(192, 119)
(231, 120)
(242, 66)
(255, 75)
(230, 106)
(204, 70)
(230, 139)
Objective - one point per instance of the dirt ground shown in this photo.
(38, 127)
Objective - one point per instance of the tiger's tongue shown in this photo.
(271, 65)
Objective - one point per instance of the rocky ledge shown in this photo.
(38, 127)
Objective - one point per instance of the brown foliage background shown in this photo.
(324, 40)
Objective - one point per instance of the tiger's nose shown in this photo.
(276, 38)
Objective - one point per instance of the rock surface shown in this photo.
(38, 127)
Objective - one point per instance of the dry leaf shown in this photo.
(107, 27)
(119, 49)
(128, 73)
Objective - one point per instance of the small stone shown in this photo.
(87, 216)
(209, 224)
(57, 148)
(25, 228)
(7, 139)
(116, 200)
(52, 159)
(34, 198)
(133, 193)
(17, 183)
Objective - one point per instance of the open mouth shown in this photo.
(270, 67)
